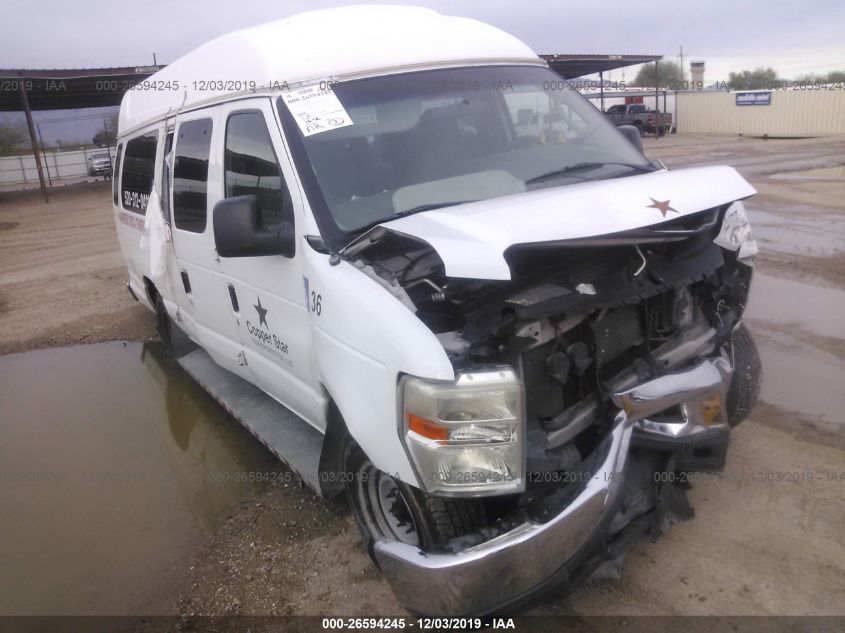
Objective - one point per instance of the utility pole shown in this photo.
(682, 64)
(656, 100)
(155, 63)
(32, 137)
(44, 154)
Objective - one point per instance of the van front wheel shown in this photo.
(747, 376)
(386, 508)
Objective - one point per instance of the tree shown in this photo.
(668, 76)
(104, 138)
(833, 77)
(753, 79)
(14, 135)
(109, 134)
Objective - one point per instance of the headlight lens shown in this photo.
(735, 234)
(466, 437)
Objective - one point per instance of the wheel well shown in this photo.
(152, 291)
(331, 456)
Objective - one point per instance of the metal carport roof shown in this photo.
(60, 89)
(570, 66)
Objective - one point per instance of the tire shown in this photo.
(386, 508)
(639, 127)
(176, 342)
(747, 376)
(661, 132)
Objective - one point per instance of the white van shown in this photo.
(426, 272)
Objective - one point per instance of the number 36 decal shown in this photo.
(313, 300)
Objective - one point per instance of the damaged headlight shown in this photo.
(735, 234)
(466, 437)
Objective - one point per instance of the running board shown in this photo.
(290, 438)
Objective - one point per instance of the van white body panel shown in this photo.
(353, 351)
(133, 230)
(364, 339)
(471, 238)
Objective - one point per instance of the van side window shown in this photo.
(138, 171)
(115, 186)
(190, 175)
(251, 167)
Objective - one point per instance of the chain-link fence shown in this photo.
(58, 165)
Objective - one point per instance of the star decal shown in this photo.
(262, 313)
(663, 206)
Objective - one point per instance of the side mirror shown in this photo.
(238, 232)
(633, 135)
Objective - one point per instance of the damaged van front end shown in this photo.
(589, 384)
(563, 534)
(579, 309)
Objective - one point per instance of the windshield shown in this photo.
(431, 139)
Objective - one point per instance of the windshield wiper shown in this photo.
(586, 165)
(429, 206)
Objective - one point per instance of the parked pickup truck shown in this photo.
(636, 114)
(99, 164)
(424, 279)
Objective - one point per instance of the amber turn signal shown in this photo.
(427, 428)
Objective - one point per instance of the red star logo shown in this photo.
(663, 206)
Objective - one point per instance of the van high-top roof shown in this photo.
(323, 45)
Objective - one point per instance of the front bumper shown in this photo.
(510, 567)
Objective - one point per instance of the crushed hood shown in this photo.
(471, 238)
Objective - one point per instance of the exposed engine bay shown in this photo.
(578, 321)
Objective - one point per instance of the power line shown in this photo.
(85, 117)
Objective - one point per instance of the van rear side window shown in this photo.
(251, 167)
(190, 175)
(136, 182)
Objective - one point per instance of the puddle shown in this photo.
(114, 466)
(836, 172)
(801, 337)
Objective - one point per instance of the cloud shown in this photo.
(792, 37)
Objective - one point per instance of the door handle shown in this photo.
(186, 283)
(233, 297)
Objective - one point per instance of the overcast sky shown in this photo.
(794, 37)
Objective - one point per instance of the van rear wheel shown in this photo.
(386, 508)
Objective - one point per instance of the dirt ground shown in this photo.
(62, 279)
(768, 535)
